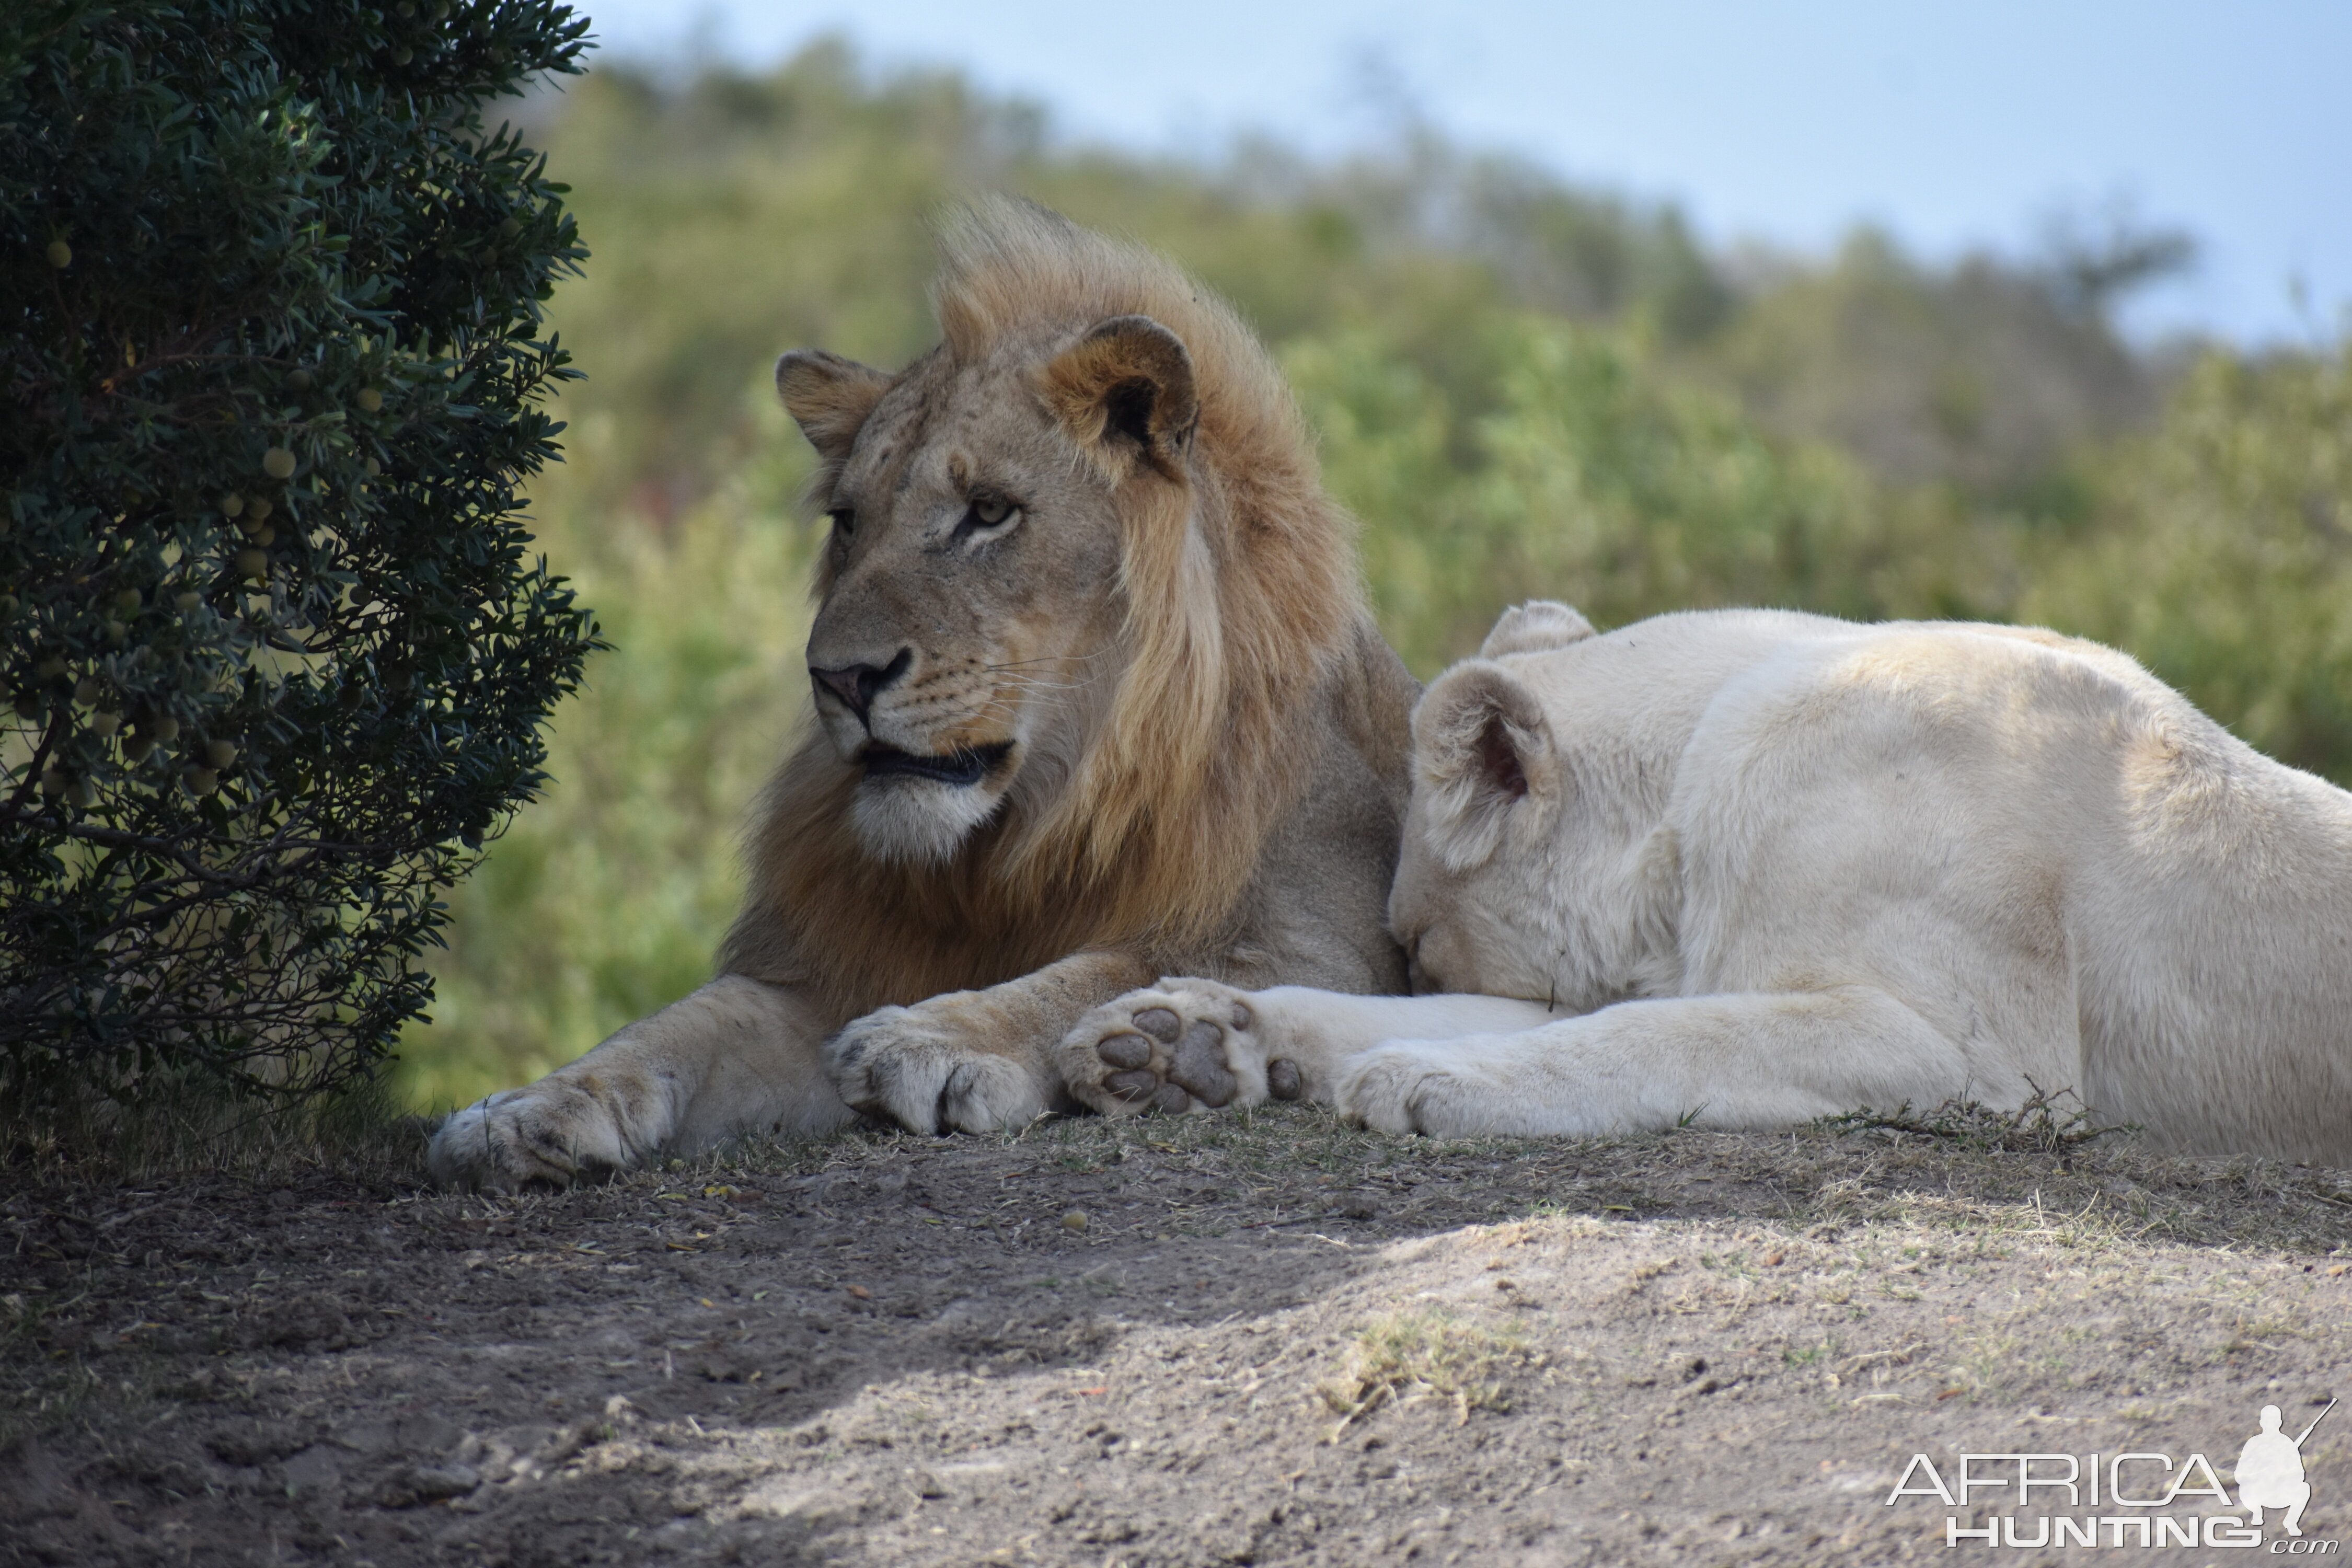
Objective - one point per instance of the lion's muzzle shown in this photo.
(856, 686)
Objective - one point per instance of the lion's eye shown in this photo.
(989, 513)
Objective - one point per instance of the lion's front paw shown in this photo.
(553, 1134)
(1186, 1045)
(1404, 1087)
(919, 1067)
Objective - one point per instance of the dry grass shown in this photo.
(2045, 1124)
(1402, 1358)
(362, 1133)
(2045, 1170)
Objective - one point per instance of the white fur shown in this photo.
(901, 819)
(1769, 867)
(1533, 627)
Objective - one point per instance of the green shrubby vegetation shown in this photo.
(273, 652)
(1521, 389)
(2218, 548)
(1597, 474)
(1985, 375)
(605, 900)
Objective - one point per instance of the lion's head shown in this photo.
(1080, 573)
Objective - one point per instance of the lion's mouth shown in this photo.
(963, 767)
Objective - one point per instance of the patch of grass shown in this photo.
(2045, 1124)
(363, 1130)
(1405, 1357)
(20, 1321)
(1987, 1365)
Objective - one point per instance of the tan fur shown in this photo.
(1161, 824)
(830, 397)
(1097, 699)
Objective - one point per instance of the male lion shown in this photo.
(1097, 699)
(1777, 867)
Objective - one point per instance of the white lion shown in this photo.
(1744, 868)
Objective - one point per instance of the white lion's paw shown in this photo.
(1185, 1045)
(918, 1067)
(553, 1133)
(1405, 1085)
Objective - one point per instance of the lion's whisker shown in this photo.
(1076, 659)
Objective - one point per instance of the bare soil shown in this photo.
(1254, 1338)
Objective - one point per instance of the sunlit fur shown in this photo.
(1096, 698)
(1234, 598)
(1744, 868)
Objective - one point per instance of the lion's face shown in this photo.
(1469, 900)
(1505, 814)
(967, 641)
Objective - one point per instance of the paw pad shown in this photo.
(1160, 1023)
(1126, 1051)
(1137, 1085)
(1191, 1048)
(1199, 1064)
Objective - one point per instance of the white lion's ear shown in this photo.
(829, 397)
(1126, 391)
(1540, 626)
(1483, 749)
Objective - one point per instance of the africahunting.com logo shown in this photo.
(2125, 1499)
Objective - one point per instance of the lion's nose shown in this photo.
(856, 685)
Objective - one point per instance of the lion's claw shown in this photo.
(1421, 1086)
(553, 1134)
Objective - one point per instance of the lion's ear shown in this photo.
(1482, 746)
(829, 396)
(1126, 387)
(1540, 626)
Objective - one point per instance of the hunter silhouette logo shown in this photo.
(2140, 1498)
(2270, 1471)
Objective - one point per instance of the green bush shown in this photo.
(275, 657)
(1596, 473)
(2218, 548)
(607, 900)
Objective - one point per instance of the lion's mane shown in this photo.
(1241, 595)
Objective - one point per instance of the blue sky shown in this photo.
(1953, 125)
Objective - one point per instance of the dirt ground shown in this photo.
(1255, 1339)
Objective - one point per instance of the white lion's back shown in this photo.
(2039, 840)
